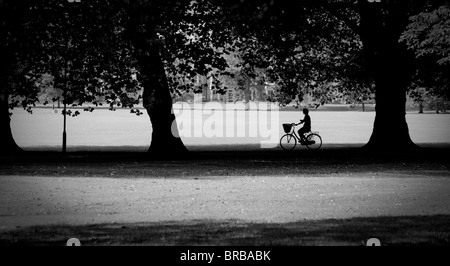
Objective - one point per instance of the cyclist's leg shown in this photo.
(301, 134)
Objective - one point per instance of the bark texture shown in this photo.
(381, 27)
(157, 98)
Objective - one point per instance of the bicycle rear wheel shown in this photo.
(314, 142)
(288, 142)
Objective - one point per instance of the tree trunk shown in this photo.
(8, 145)
(390, 130)
(437, 106)
(420, 107)
(388, 61)
(11, 15)
(158, 103)
(157, 99)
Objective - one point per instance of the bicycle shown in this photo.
(289, 141)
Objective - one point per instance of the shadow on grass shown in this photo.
(247, 162)
(392, 231)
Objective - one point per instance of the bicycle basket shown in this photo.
(287, 128)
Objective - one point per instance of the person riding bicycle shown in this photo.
(306, 127)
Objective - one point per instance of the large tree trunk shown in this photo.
(157, 98)
(11, 15)
(390, 130)
(158, 103)
(388, 60)
(8, 145)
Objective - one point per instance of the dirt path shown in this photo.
(26, 201)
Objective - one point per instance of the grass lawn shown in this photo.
(125, 198)
(114, 129)
(229, 191)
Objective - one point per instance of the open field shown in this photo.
(28, 201)
(229, 191)
(114, 129)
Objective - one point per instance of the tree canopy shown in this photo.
(128, 50)
(428, 37)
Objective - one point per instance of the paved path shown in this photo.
(26, 201)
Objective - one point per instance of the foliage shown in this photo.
(83, 48)
(302, 53)
(310, 48)
(12, 71)
(48, 91)
(427, 36)
(194, 43)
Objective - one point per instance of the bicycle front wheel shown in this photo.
(288, 142)
(314, 142)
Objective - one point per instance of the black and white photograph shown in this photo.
(245, 124)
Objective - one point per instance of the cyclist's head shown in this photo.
(305, 111)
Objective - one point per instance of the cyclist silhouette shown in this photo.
(306, 127)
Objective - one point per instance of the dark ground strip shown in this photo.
(348, 161)
(391, 231)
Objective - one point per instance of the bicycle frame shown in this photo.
(294, 132)
(309, 138)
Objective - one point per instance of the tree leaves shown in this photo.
(83, 49)
(302, 53)
(306, 48)
(428, 34)
(428, 37)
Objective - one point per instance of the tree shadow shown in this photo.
(246, 162)
(391, 231)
